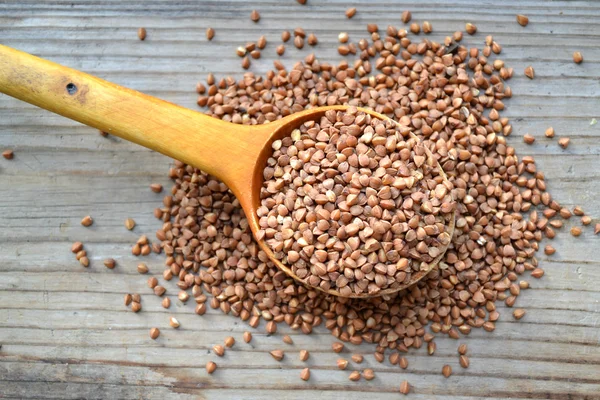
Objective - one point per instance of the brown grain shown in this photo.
(446, 371)
(549, 132)
(341, 363)
(229, 341)
(277, 354)
(586, 220)
(577, 57)
(129, 223)
(141, 33)
(166, 302)
(255, 16)
(529, 72)
(76, 247)
(337, 347)
(211, 367)
(354, 376)
(210, 33)
(537, 273)
(427, 28)
(287, 339)
(154, 333)
(261, 43)
(156, 187)
(463, 361)
(218, 350)
(247, 337)
(406, 16)
(84, 261)
(522, 20)
(462, 349)
(174, 322)
(368, 374)
(350, 12)
(285, 36)
(518, 313)
(8, 154)
(127, 299)
(280, 49)
(405, 387)
(312, 39)
(470, 28)
(305, 374)
(87, 221)
(564, 142)
(110, 263)
(576, 231)
(136, 307)
(549, 250)
(529, 139)
(357, 358)
(304, 354)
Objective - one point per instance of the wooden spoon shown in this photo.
(236, 154)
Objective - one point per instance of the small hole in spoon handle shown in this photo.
(71, 88)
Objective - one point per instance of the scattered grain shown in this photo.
(575, 231)
(463, 360)
(287, 339)
(529, 72)
(350, 12)
(154, 333)
(354, 376)
(8, 154)
(304, 354)
(141, 33)
(368, 374)
(247, 337)
(211, 367)
(446, 371)
(305, 374)
(529, 139)
(277, 354)
(87, 221)
(254, 16)
(129, 223)
(564, 142)
(174, 322)
(166, 302)
(229, 341)
(127, 299)
(522, 20)
(549, 132)
(577, 57)
(219, 350)
(357, 358)
(76, 247)
(405, 387)
(337, 347)
(136, 307)
(406, 16)
(110, 263)
(210, 33)
(518, 313)
(470, 28)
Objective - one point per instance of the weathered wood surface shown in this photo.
(63, 329)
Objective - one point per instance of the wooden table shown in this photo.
(64, 330)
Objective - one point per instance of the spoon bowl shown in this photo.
(236, 154)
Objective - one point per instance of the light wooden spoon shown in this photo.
(236, 154)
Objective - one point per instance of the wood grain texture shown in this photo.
(64, 331)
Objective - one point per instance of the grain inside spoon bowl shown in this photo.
(353, 204)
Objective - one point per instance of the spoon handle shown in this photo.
(189, 136)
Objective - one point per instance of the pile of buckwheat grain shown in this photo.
(350, 203)
(348, 196)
